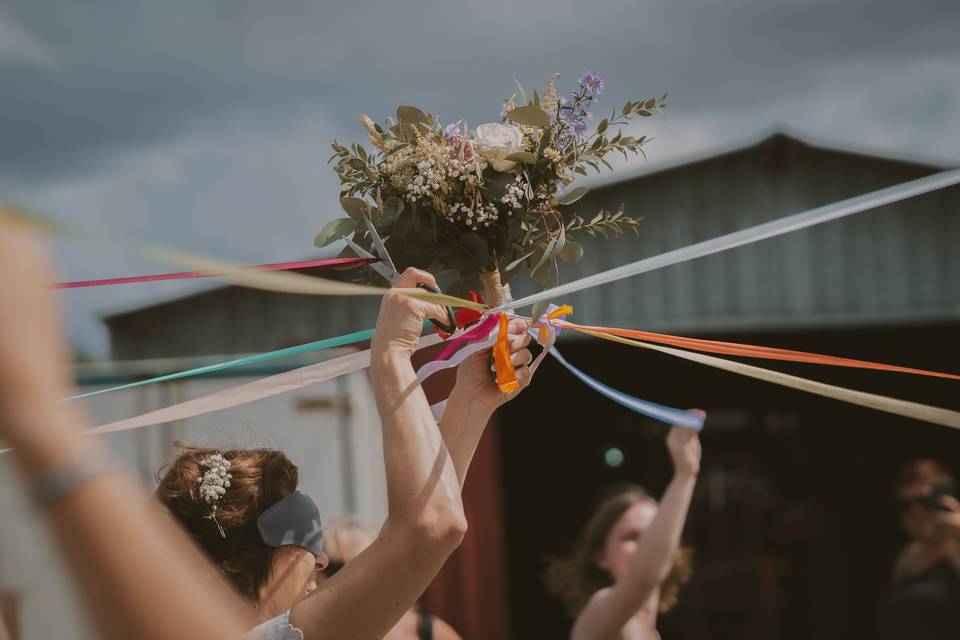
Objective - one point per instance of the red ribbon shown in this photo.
(465, 317)
(183, 275)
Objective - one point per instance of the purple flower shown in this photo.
(580, 127)
(592, 82)
(451, 130)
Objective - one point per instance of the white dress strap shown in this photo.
(278, 628)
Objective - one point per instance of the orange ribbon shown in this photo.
(752, 351)
(506, 375)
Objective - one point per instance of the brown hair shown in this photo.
(575, 578)
(922, 470)
(260, 478)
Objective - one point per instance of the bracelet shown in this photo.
(64, 479)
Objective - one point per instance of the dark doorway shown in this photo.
(793, 521)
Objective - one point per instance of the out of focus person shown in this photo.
(628, 566)
(346, 538)
(923, 602)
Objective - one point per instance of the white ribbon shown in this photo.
(763, 231)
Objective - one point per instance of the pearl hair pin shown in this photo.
(214, 483)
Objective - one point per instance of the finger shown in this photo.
(518, 342)
(518, 325)
(412, 276)
(521, 358)
(524, 376)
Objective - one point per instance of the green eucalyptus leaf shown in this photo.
(356, 208)
(573, 196)
(530, 116)
(412, 115)
(525, 157)
(548, 254)
(516, 263)
(333, 231)
(572, 251)
(539, 309)
(603, 125)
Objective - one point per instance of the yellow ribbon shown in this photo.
(223, 270)
(914, 410)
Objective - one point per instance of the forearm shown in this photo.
(654, 556)
(140, 576)
(424, 521)
(462, 426)
(422, 485)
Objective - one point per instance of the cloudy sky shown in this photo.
(205, 124)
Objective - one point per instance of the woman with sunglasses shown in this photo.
(243, 509)
(924, 597)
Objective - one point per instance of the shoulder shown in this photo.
(278, 628)
(582, 626)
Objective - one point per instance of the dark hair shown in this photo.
(575, 578)
(922, 470)
(260, 478)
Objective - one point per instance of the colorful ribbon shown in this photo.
(759, 232)
(905, 408)
(546, 329)
(752, 351)
(653, 410)
(184, 275)
(251, 391)
(506, 374)
(318, 345)
(480, 337)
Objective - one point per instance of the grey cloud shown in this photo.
(205, 124)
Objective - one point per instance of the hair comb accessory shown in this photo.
(214, 483)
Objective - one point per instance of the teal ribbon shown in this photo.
(309, 347)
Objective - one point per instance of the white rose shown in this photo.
(496, 141)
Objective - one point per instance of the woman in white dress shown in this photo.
(222, 498)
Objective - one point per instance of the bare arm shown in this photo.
(138, 574)
(425, 522)
(610, 609)
(476, 396)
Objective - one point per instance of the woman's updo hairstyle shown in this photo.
(259, 479)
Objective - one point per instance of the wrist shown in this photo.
(45, 439)
(476, 403)
(686, 475)
(388, 357)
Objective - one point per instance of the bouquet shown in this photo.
(488, 203)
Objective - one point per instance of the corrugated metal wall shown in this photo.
(893, 264)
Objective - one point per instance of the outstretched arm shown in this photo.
(476, 396)
(610, 609)
(425, 520)
(139, 575)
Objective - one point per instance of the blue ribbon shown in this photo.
(318, 345)
(650, 409)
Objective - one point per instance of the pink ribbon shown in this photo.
(183, 275)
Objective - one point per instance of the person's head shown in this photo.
(914, 491)
(605, 548)
(344, 538)
(269, 557)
